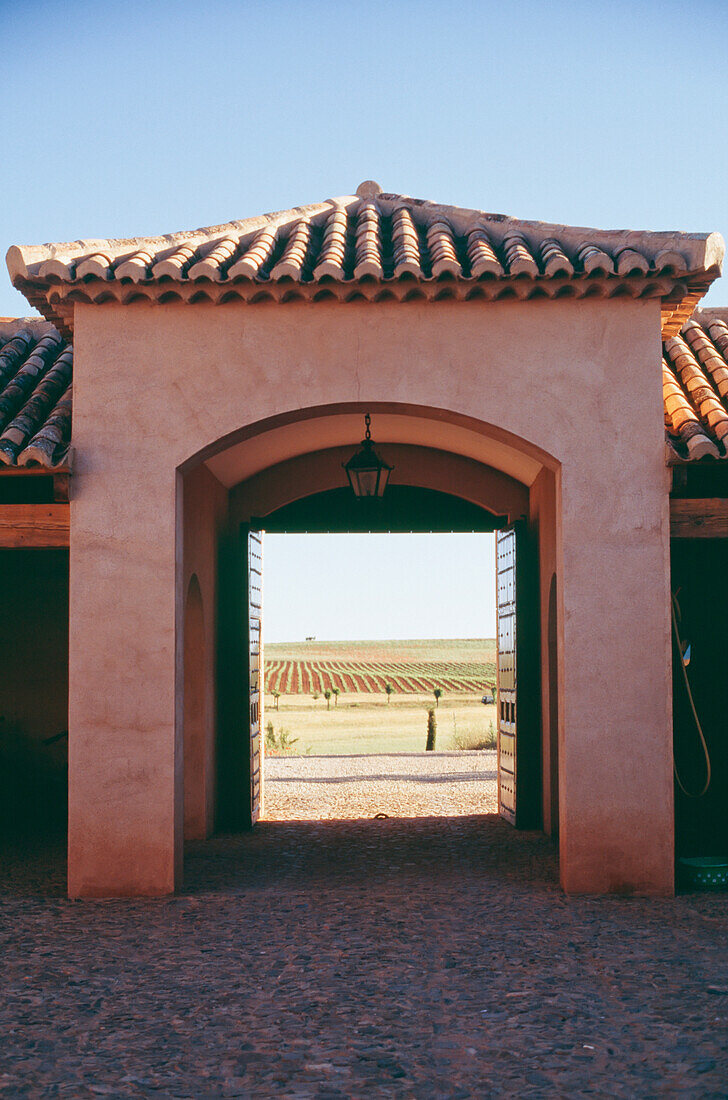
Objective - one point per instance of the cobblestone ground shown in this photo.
(421, 957)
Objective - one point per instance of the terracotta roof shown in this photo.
(35, 391)
(36, 365)
(695, 386)
(371, 245)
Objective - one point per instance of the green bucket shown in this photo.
(704, 872)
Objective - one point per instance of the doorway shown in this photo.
(380, 675)
(324, 677)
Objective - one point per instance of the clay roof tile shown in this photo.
(518, 256)
(697, 386)
(176, 264)
(95, 266)
(35, 377)
(255, 255)
(333, 249)
(683, 420)
(631, 262)
(49, 445)
(594, 260)
(554, 260)
(293, 260)
(441, 243)
(135, 267)
(405, 244)
(214, 264)
(481, 254)
(707, 351)
(373, 236)
(367, 248)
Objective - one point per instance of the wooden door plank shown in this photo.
(506, 715)
(255, 666)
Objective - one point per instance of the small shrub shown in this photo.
(280, 744)
(469, 738)
(431, 731)
(270, 736)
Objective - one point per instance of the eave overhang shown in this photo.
(372, 246)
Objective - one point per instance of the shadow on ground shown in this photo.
(429, 957)
(405, 851)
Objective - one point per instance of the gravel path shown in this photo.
(418, 784)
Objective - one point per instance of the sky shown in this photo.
(148, 117)
(378, 586)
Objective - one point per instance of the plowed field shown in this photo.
(412, 668)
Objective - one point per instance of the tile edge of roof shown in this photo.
(706, 250)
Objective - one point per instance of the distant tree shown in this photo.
(276, 696)
(315, 695)
(335, 693)
(327, 697)
(437, 693)
(389, 689)
(431, 731)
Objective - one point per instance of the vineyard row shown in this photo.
(288, 677)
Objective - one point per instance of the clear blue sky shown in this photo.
(378, 586)
(146, 117)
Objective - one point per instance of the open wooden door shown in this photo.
(255, 668)
(518, 678)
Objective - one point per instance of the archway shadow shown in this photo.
(33, 863)
(478, 852)
(33, 823)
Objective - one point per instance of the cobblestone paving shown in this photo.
(425, 957)
(402, 784)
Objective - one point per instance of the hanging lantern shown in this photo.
(368, 473)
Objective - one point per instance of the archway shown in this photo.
(476, 477)
(511, 387)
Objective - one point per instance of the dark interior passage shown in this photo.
(34, 690)
(700, 579)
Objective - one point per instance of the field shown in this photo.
(359, 724)
(457, 667)
(361, 719)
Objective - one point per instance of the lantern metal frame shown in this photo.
(366, 470)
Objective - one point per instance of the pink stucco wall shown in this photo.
(577, 382)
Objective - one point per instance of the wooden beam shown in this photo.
(61, 482)
(34, 525)
(33, 471)
(699, 518)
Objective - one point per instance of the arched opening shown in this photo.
(451, 473)
(194, 737)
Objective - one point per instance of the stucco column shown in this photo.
(615, 753)
(124, 758)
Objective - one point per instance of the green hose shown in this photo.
(675, 607)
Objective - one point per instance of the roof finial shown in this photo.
(369, 189)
